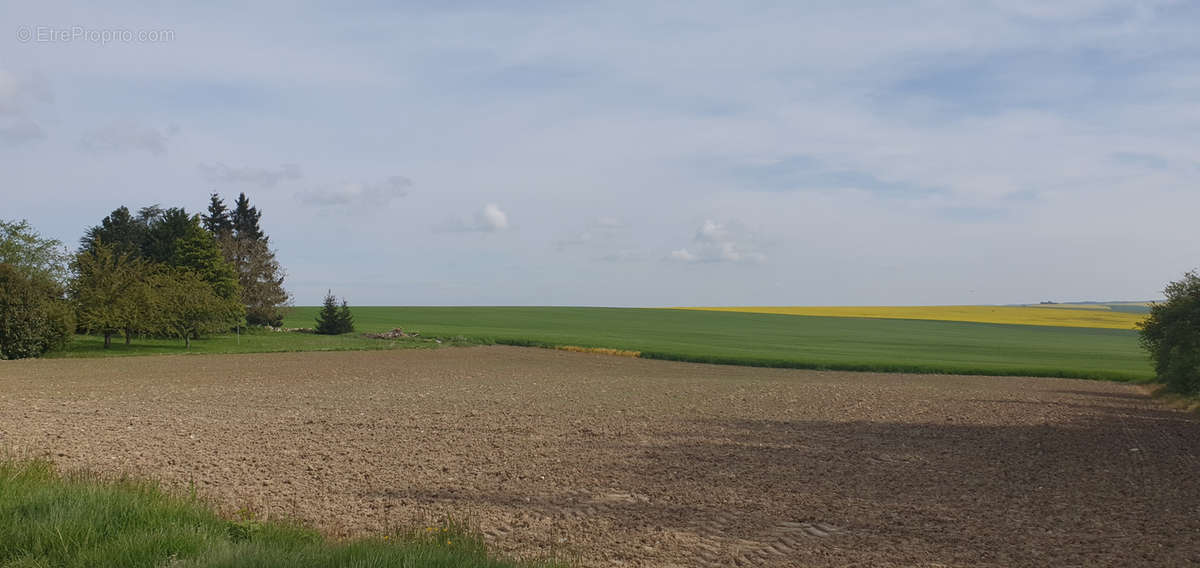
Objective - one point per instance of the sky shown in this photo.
(632, 153)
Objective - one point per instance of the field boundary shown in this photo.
(822, 365)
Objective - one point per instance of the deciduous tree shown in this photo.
(184, 305)
(26, 250)
(1172, 335)
(34, 317)
(110, 291)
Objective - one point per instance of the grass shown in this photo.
(82, 520)
(1059, 315)
(772, 340)
(256, 341)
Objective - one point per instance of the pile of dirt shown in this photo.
(396, 333)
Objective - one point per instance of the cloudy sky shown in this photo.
(641, 154)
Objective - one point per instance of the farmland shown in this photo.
(607, 461)
(778, 340)
(1116, 316)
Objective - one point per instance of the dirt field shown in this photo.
(615, 461)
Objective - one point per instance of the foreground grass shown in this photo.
(83, 521)
(773, 340)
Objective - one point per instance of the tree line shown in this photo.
(159, 272)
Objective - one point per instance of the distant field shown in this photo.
(1060, 315)
(777, 340)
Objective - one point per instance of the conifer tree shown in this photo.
(328, 320)
(121, 230)
(217, 221)
(245, 220)
(260, 275)
(345, 319)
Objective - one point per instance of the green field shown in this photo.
(782, 340)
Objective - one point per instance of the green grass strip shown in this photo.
(82, 520)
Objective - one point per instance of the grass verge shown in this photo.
(82, 520)
(253, 341)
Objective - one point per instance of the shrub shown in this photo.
(34, 317)
(1172, 335)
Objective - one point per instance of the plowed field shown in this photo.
(618, 461)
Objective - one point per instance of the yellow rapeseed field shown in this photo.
(1052, 315)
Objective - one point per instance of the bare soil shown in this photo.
(612, 461)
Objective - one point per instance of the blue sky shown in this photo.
(629, 153)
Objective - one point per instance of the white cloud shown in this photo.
(490, 219)
(717, 242)
(376, 194)
(262, 177)
(127, 135)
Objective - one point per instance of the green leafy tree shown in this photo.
(1172, 335)
(110, 291)
(26, 250)
(184, 305)
(34, 317)
(334, 319)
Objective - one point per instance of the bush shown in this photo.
(34, 317)
(1172, 335)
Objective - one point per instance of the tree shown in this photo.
(24, 249)
(1172, 335)
(196, 250)
(184, 305)
(34, 318)
(164, 229)
(119, 229)
(110, 291)
(260, 275)
(345, 320)
(217, 221)
(332, 319)
(261, 279)
(245, 220)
